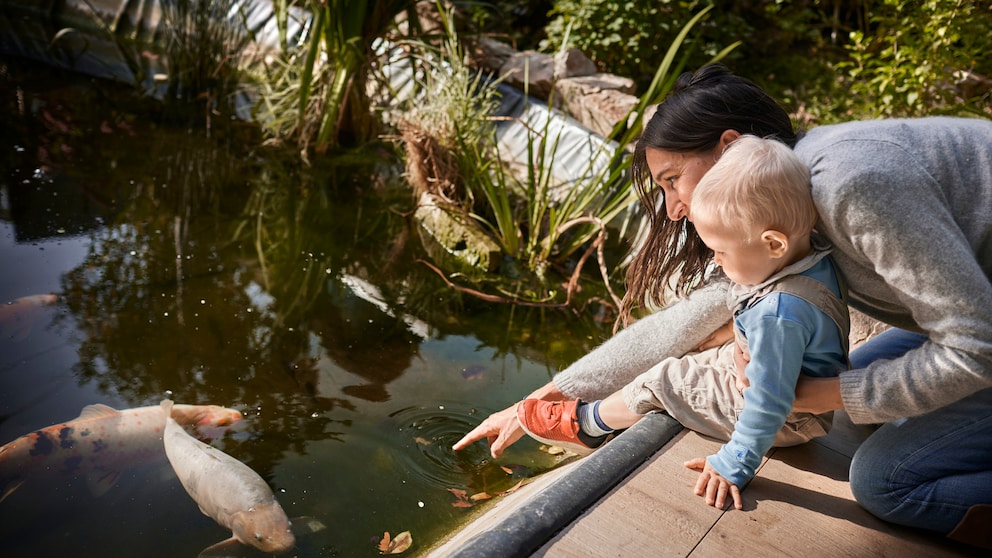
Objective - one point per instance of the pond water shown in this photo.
(189, 263)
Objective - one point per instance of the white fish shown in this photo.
(228, 491)
(99, 444)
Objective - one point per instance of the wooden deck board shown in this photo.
(799, 504)
(651, 513)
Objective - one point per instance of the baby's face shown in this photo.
(746, 258)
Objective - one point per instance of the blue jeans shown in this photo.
(924, 471)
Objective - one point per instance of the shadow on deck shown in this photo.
(634, 498)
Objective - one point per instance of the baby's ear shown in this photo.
(777, 243)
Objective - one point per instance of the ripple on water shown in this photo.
(426, 433)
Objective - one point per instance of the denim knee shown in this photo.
(926, 471)
(872, 482)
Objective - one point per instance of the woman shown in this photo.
(907, 205)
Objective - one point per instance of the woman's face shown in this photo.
(677, 175)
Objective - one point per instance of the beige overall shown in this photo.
(699, 389)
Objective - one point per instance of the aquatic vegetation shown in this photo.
(540, 225)
(313, 91)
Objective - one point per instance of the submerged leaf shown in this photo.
(480, 496)
(400, 544)
(459, 493)
(513, 488)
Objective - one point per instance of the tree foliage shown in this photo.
(835, 60)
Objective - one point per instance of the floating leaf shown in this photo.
(480, 496)
(507, 470)
(422, 441)
(384, 543)
(461, 504)
(459, 493)
(398, 545)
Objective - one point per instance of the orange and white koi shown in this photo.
(99, 444)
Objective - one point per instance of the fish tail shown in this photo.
(167, 407)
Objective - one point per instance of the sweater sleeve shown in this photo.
(902, 241)
(671, 331)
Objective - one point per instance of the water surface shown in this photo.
(190, 263)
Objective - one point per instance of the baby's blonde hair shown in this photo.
(757, 184)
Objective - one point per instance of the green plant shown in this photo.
(630, 37)
(536, 226)
(903, 61)
(313, 95)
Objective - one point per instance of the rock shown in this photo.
(542, 71)
(488, 55)
(573, 63)
(598, 101)
(863, 328)
(530, 71)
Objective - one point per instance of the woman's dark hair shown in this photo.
(700, 107)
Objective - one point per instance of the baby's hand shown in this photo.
(712, 486)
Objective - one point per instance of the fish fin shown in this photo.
(230, 548)
(100, 484)
(304, 525)
(11, 490)
(167, 407)
(97, 410)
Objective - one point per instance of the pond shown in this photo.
(189, 263)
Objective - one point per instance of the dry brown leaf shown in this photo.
(480, 496)
(461, 504)
(459, 493)
(398, 545)
(384, 543)
(512, 488)
(422, 441)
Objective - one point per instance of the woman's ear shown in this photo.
(777, 243)
(726, 138)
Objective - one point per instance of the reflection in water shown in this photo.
(226, 276)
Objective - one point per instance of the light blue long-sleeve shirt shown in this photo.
(785, 335)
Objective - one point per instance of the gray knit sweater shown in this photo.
(907, 205)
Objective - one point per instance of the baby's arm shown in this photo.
(776, 346)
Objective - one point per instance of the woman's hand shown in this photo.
(817, 395)
(500, 428)
(717, 338)
(713, 487)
